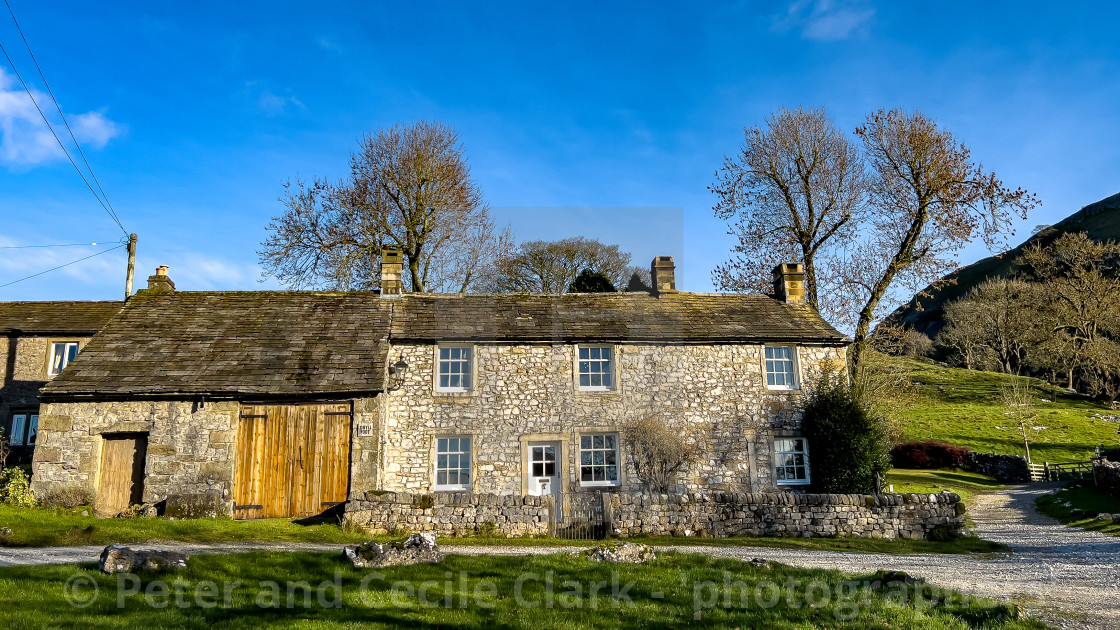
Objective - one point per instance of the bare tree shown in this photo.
(998, 318)
(928, 199)
(657, 451)
(795, 189)
(1081, 284)
(409, 187)
(1021, 405)
(552, 266)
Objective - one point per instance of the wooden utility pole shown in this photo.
(131, 266)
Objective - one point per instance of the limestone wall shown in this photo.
(785, 514)
(715, 395)
(190, 450)
(451, 513)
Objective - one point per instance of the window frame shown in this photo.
(594, 449)
(28, 430)
(794, 375)
(612, 372)
(469, 466)
(804, 452)
(472, 362)
(51, 352)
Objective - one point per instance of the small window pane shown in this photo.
(585, 441)
(18, 422)
(32, 429)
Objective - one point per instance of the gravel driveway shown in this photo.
(1068, 577)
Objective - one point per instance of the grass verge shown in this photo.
(1085, 504)
(542, 592)
(41, 527)
(966, 484)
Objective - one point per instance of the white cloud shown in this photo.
(271, 103)
(25, 139)
(825, 20)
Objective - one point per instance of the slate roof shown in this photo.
(56, 318)
(299, 343)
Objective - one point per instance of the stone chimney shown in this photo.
(662, 273)
(392, 266)
(160, 281)
(789, 283)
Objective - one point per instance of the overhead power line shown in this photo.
(104, 202)
(59, 245)
(73, 262)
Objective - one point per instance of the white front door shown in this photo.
(544, 469)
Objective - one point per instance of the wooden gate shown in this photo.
(292, 460)
(122, 472)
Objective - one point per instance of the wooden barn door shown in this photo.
(292, 460)
(122, 472)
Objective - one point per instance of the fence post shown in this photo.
(1046, 470)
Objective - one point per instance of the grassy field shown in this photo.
(966, 484)
(41, 527)
(542, 592)
(963, 407)
(1085, 503)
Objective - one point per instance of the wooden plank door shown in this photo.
(122, 473)
(292, 460)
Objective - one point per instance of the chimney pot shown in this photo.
(161, 282)
(662, 273)
(392, 267)
(789, 283)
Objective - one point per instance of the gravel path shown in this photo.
(1068, 577)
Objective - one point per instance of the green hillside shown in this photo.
(1101, 220)
(964, 407)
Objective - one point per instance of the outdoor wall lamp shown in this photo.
(396, 373)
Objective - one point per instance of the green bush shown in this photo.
(848, 443)
(15, 488)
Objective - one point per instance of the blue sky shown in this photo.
(577, 118)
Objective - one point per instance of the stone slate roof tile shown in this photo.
(45, 318)
(302, 343)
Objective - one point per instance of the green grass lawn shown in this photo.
(557, 591)
(1085, 503)
(963, 407)
(966, 484)
(42, 527)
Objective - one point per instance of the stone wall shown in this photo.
(785, 514)
(715, 395)
(1106, 474)
(190, 449)
(451, 513)
(1004, 468)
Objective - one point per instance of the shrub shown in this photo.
(848, 443)
(657, 451)
(929, 455)
(15, 488)
(68, 497)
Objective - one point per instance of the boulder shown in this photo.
(415, 549)
(121, 559)
(200, 505)
(631, 553)
(1104, 517)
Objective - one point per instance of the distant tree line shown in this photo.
(1057, 316)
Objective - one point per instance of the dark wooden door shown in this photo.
(122, 473)
(292, 460)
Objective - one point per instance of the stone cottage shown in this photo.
(40, 340)
(285, 403)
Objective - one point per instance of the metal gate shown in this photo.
(579, 516)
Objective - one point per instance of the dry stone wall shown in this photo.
(451, 513)
(785, 514)
(715, 395)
